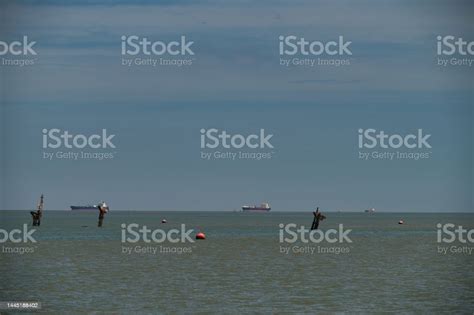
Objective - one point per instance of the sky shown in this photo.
(236, 83)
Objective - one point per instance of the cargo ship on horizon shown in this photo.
(86, 207)
(263, 207)
(101, 205)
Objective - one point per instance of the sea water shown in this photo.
(241, 267)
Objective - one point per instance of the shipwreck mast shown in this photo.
(318, 216)
(36, 215)
(103, 209)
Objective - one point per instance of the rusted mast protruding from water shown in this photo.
(38, 213)
(103, 209)
(318, 216)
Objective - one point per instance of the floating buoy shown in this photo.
(200, 236)
(401, 222)
(163, 221)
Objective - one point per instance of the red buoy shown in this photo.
(200, 236)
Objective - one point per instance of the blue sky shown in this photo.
(236, 84)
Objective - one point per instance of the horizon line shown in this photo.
(253, 212)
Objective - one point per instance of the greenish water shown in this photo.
(79, 268)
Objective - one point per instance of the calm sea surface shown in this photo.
(241, 267)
